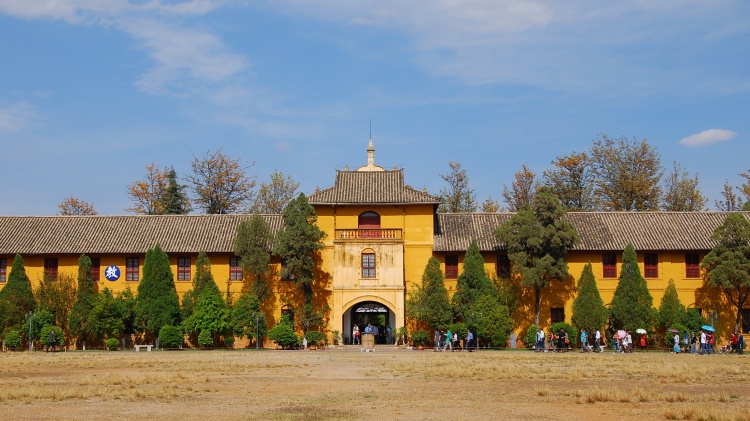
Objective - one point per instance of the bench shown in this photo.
(138, 347)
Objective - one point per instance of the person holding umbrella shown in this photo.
(642, 332)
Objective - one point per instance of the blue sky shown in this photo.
(92, 91)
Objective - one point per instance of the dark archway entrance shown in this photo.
(373, 313)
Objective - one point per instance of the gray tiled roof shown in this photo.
(606, 231)
(370, 187)
(121, 234)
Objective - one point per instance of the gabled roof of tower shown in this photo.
(370, 187)
(598, 231)
(122, 234)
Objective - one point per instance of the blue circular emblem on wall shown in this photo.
(112, 273)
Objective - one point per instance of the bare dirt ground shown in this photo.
(390, 383)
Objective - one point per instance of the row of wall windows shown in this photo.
(609, 266)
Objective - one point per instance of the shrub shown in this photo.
(206, 338)
(420, 337)
(13, 339)
(283, 334)
(113, 344)
(229, 341)
(529, 338)
(402, 335)
(314, 337)
(336, 337)
(44, 335)
(572, 333)
(170, 336)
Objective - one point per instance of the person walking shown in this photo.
(51, 342)
(436, 338)
(598, 340)
(455, 341)
(584, 341)
(448, 341)
(355, 335)
(704, 350)
(740, 343)
(469, 338)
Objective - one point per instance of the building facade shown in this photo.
(380, 233)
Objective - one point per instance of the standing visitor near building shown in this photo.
(693, 339)
(643, 342)
(616, 342)
(711, 343)
(584, 341)
(542, 340)
(552, 341)
(685, 341)
(630, 342)
(448, 341)
(676, 347)
(455, 341)
(740, 344)
(703, 343)
(598, 340)
(469, 338)
(355, 335)
(436, 338)
(375, 333)
(388, 335)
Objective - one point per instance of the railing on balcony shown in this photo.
(368, 234)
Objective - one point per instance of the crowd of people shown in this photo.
(447, 340)
(622, 342)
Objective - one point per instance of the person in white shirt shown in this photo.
(703, 343)
(598, 340)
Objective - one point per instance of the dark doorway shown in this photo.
(375, 314)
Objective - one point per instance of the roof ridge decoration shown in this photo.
(370, 160)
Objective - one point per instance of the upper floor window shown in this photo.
(183, 268)
(235, 269)
(503, 266)
(95, 268)
(369, 225)
(557, 315)
(132, 269)
(651, 265)
(368, 264)
(692, 266)
(609, 264)
(50, 267)
(3, 270)
(451, 266)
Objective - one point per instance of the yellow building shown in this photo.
(380, 234)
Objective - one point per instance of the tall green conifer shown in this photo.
(157, 304)
(16, 298)
(589, 311)
(671, 310)
(79, 323)
(252, 243)
(632, 304)
(472, 283)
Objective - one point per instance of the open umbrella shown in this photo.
(673, 330)
(622, 333)
(641, 331)
(708, 328)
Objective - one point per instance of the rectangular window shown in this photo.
(368, 265)
(235, 268)
(3, 270)
(451, 266)
(609, 263)
(557, 315)
(95, 272)
(50, 267)
(651, 265)
(132, 269)
(746, 320)
(692, 266)
(503, 266)
(183, 268)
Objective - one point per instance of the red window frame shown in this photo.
(451, 266)
(132, 269)
(3, 271)
(692, 265)
(183, 268)
(369, 225)
(609, 265)
(95, 268)
(368, 265)
(235, 269)
(502, 267)
(651, 265)
(50, 267)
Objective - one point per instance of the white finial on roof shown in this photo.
(370, 160)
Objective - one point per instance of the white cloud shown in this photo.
(181, 54)
(708, 137)
(15, 117)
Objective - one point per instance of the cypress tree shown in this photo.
(16, 298)
(252, 243)
(589, 311)
(632, 304)
(173, 201)
(671, 310)
(157, 304)
(472, 283)
(430, 303)
(79, 323)
(298, 245)
(202, 280)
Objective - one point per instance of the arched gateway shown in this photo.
(370, 313)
